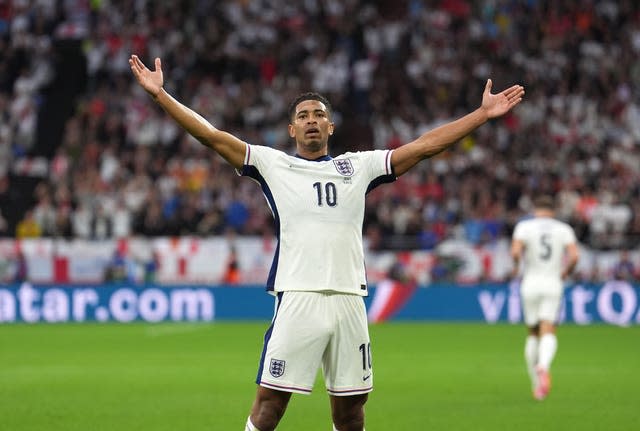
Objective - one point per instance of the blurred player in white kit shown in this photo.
(548, 249)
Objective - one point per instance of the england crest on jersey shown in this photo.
(277, 367)
(344, 167)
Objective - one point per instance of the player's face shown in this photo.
(311, 127)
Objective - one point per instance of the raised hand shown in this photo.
(150, 80)
(499, 104)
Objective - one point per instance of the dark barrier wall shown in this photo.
(614, 302)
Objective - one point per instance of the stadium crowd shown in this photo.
(115, 166)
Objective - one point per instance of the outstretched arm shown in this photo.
(228, 146)
(441, 138)
(573, 255)
(517, 246)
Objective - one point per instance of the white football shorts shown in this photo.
(310, 329)
(540, 303)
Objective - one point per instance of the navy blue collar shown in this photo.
(319, 159)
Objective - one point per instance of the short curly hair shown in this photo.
(544, 202)
(308, 96)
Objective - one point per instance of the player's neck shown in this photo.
(311, 155)
(544, 213)
(312, 150)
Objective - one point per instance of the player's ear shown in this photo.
(331, 128)
(292, 131)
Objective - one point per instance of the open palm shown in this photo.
(499, 104)
(150, 80)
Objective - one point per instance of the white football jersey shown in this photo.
(318, 209)
(545, 240)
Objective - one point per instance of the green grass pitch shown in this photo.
(197, 377)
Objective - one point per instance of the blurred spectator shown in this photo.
(210, 224)
(63, 226)
(45, 214)
(232, 272)
(21, 273)
(116, 271)
(101, 227)
(121, 221)
(151, 221)
(28, 227)
(81, 221)
(236, 215)
(625, 269)
(4, 226)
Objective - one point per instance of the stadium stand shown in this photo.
(83, 154)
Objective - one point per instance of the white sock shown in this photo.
(250, 426)
(531, 358)
(547, 350)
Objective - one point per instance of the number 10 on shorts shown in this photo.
(365, 350)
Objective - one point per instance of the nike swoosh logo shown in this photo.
(365, 378)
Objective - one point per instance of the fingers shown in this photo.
(513, 94)
(516, 96)
(487, 87)
(150, 80)
(517, 89)
(501, 102)
(136, 64)
(514, 91)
